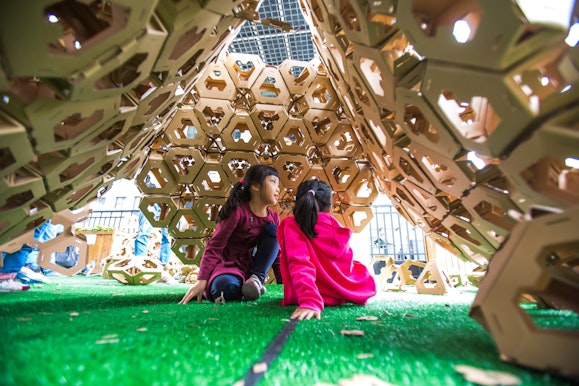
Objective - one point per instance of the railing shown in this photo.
(124, 220)
(392, 235)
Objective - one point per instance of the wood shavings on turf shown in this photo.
(359, 380)
(487, 377)
(367, 317)
(108, 339)
(363, 380)
(352, 332)
(260, 367)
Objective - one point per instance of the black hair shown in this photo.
(241, 191)
(312, 197)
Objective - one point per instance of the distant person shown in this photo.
(317, 263)
(142, 240)
(243, 246)
(144, 229)
(15, 264)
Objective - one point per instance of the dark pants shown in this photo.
(264, 256)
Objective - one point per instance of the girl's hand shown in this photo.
(305, 314)
(196, 290)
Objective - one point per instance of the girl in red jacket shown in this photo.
(244, 245)
(317, 264)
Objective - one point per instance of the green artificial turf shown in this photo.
(91, 331)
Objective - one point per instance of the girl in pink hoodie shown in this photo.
(317, 264)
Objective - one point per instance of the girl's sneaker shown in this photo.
(252, 289)
(11, 285)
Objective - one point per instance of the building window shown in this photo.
(119, 201)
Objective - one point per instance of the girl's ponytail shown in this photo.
(238, 194)
(312, 197)
(241, 191)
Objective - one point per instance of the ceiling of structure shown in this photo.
(273, 44)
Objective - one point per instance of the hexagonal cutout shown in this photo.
(185, 163)
(269, 119)
(343, 143)
(80, 23)
(6, 158)
(16, 200)
(213, 114)
(321, 94)
(74, 125)
(186, 224)
(158, 211)
(418, 123)
(75, 169)
(187, 129)
(294, 138)
(244, 69)
(322, 122)
(240, 134)
(238, 166)
(541, 80)
(268, 88)
(215, 80)
(189, 251)
(357, 217)
(212, 181)
(494, 215)
(554, 307)
(555, 177)
(461, 17)
(475, 120)
(124, 74)
(341, 172)
(297, 74)
(155, 178)
(208, 209)
(292, 169)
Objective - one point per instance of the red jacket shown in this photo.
(321, 271)
(230, 247)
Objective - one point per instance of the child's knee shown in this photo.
(229, 285)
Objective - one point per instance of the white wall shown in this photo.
(121, 188)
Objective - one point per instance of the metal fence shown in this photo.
(124, 220)
(392, 235)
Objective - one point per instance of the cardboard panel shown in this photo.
(52, 39)
(498, 35)
(538, 257)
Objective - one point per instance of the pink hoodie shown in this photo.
(321, 271)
